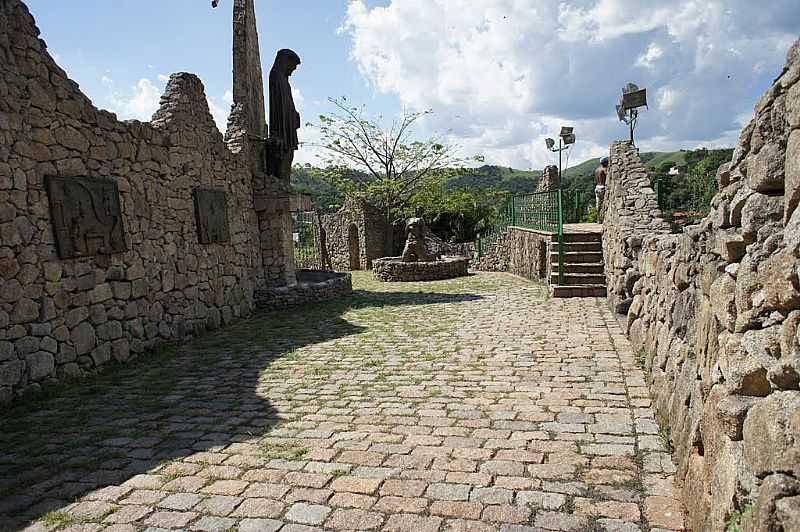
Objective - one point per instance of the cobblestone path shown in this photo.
(467, 405)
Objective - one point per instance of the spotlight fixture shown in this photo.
(566, 137)
(629, 103)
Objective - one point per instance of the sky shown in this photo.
(499, 75)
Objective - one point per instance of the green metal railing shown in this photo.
(306, 240)
(542, 211)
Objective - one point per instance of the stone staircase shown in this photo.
(584, 273)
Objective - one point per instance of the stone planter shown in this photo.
(392, 269)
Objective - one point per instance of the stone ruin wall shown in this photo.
(715, 310)
(520, 251)
(61, 318)
(373, 235)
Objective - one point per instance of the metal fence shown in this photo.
(543, 211)
(305, 236)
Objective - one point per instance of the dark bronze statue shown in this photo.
(284, 121)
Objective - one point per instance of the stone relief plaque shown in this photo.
(86, 216)
(211, 213)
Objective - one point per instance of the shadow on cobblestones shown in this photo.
(154, 421)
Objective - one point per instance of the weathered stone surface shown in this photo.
(792, 183)
(758, 211)
(772, 434)
(765, 169)
(774, 488)
(40, 365)
(11, 372)
(83, 338)
(723, 295)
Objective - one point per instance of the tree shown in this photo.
(458, 215)
(384, 166)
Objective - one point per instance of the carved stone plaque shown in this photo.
(86, 215)
(211, 213)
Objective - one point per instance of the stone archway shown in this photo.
(354, 247)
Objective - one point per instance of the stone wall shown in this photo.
(374, 237)
(630, 213)
(716, 309)
(520, 251)
(392, 269)
(313, 286)
(60, 318)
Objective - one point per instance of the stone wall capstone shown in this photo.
(716, 310)
(63, 317)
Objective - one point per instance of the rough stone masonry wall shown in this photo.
(716, 309)
(373, 236)
(61, 318)
(630, 213)
(520, 251)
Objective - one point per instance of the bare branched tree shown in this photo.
(385, 166)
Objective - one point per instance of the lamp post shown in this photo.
(565, 139)
(628, 107)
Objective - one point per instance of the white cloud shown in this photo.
(219, 111)
(648, 59)
(144, 98)
(503, 74)
(139, 104)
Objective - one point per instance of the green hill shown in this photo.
(651, 159)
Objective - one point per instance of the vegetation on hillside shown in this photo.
(460, 204)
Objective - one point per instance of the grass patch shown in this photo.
(737, 519)
(640, 357)
(60, 519)
(282, 451)
(373, 363)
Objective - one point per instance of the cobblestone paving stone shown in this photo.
(464, 405)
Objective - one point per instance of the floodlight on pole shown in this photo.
(566, 137)
(629, 103)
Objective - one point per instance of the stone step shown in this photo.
(573, 257)
(578, 267)
(579, 246)
(579, 237)
(579, 279)
(578, 291)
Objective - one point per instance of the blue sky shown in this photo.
(500, 75)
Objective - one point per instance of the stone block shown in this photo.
(101, 293)
(11, 372)
(772, 434)
(101, 354)
(40, 365)
(765, 170)
(773, 489)
(109, 331)
(723, 300)
(83, 338)
(780, 288)
(792, 180)
(744, 373)
(120, 350)
(6, 351)
(758, 211)
(25, 310)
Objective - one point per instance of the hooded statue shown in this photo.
(284, 121)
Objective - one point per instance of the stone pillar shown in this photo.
(271, 195)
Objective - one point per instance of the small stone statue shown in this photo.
(415, 249)
(284, 120)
